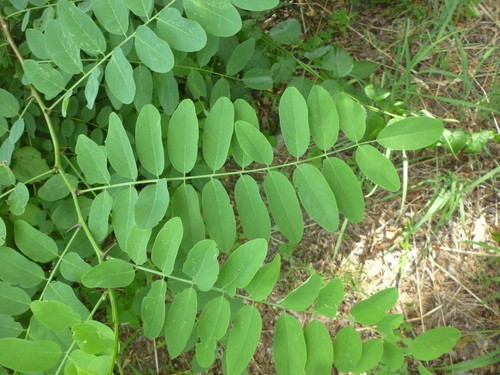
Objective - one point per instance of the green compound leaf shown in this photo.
(243, 264)
(434, 343)
(219, 215)
(289, 347)
(411, 133)
(54, 315)
(294, 121)
(347, 349)
(186, 205)
(253, 143)
(346, 188)
(319, 349)
(264, 280)
(17, 270)
(81, 28)
(113, 273)
(214, 319)
(323, 118)
(252, 211)
(182, 140)
(377, 168)
(284, 206)
(372, 354)
(374, 309)
(28, 356)
(92, 160)
(181, 33)
(137, 241)
(202, 265)
(217, 17)
(99, 215)
(33, 243)
(154, 52)
(62, 50)
(352, 116)
(256, 5)
(303, 296)
(243, 339)
(180, 321)
(13, 300)
(316, 196)
(73, 267)
(46, 79)
(240, 57)
(112, 15)
(151, 205)
(153, 309)
(119, 77)
(9, 327)
(118, 149)
(18, 199)
(9, 106)
(218, 132)
(330, 297)
(148, 140)
(141, 8)
(93, 337)
(166, 245)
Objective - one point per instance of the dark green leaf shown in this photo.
(253, 143)
(9, 106)
(144, 87)
(186, 205)
(180, 321)
(337, 61)
(33, 243)
(319, 349)
(202, 265)
(374, 309)
(352, 117)
(330, 297)
(149, 141)
(289, 347)
(46, 79)
(264, 280)
(347, 349)
(304, 295)
(287, 32)
(54, 315)
(13, 300)
(118, 149)
(181, 33)
(119, 77)
(112, 15)
(196, 84)
(17, 270)
(154, 52)
(92, 160)
(218, 132)
(153, 309)
(377, 168)
(113, 273)
(434, 343)
(323, 118)
(166, 245)
(62, 49)
(294, 121)
(258, 79)
(151, 205)
(168, 92)
(411, 133)
(217, 17)
(28, 356)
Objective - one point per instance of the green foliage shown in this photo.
(143, 105)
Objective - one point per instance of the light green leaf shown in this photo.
(182, 140)
(258, 79)
(6, 176)
(219, 215)
(218, 132)
(252, 211)
(73, 267)
(153, 309)
(92, 86)
(423, 371)
(287, 32)
(316, 196)
(137, 242)
(411, 133)
(284, 206)
(264, 280)
(60, 291)
(253, 143)
(54, 315)
(94, 337)
(166, 245)
(372, 354)
(123, 215)
(28, 356)
(319, 349)
(243, 264)
(99, 215)
(154, 52)
(9, 106)
(9, 327)
(119, 77)
(148, 140)
(323, 118)
(294, 121)
(217, 17)
(214, 319)
(92, 160)
(17, 270)
(180, 321)
(18, 199)
(118, 148)
(240, 57)
(346, 188)
(81, 28)
(55, 188)
(244, 111)
(181, 33)
(46, 79)
(256, 5)
(36, 43)
(151, 205)
(352, 117)
(205, 353)
(377, 168)
(141, 8)
(220, 89)
(202, 264)
(16, 131)
(374, 309)
(289, 347)
(338, 62)
(243, 339)
(196, 84)
(393, 356)
(3, 231)
(186, 205)
(112, 15)
(434, 343)
(13, 300)
(112, 273)
(329, 299)
(304, 295)
(33, 243)
(62, 50)
(347, 349)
